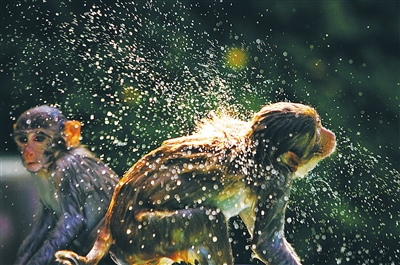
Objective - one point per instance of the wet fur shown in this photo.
(174, 202)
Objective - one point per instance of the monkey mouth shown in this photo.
(33, 166)
(329, 143)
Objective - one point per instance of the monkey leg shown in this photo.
(196, 235)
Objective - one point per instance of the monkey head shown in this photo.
(290, 137)
(41, 133)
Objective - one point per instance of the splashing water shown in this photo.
(144, 69)
(139, 73)
(361, 192)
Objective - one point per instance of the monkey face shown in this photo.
(321, 145)
(290, 135)
(37, 134)
(32, 145)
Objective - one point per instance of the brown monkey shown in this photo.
(73, 186)
(173, 204)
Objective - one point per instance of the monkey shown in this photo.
(172, 206)
(74, 187)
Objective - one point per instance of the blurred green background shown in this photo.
(137, 73)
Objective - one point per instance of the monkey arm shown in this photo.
(271, 245)
(67, 229)
(31, 244)
(75, 179)
(69, 225)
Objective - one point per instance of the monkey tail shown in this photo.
(99, 249)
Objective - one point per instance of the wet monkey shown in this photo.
(174, 203)
(74, 187)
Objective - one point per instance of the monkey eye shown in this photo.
(319, 120)
(22, 139)
(40, 138)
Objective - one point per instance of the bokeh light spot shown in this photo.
(236, 58)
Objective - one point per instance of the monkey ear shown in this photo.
(72, 133)
(291, 160)
(14, 126)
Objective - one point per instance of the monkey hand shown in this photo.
(67, 257)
